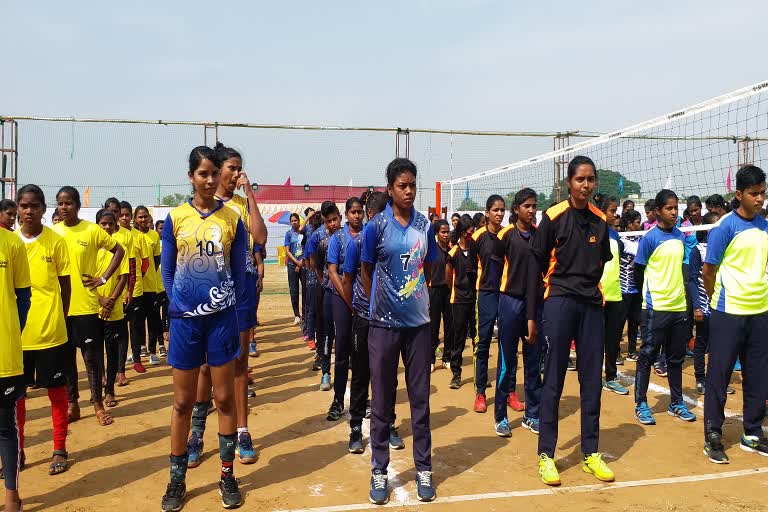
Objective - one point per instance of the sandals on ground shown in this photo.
(57, 468)
(104, 418)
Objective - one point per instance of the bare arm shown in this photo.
(93, 282)
(708, 274)
(366, 276)
(258, 230)
(66, 292)
(333, 275)
(346, 288)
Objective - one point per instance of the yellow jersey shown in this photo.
(84, 241)
(14, 273)
(240, 205)
(152, 277)
(105, 258)
(48, 259)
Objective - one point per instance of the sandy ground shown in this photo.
(303, 460)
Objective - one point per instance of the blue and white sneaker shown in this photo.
(252, 352)
(614, 386)
(194, 450)
(245, 451)
(503, 429)
(531, 424)
(644, 414)
(325, 382)
(737, 366)
(379, 494)
(424, 487)
(681, 411)
(395, 441)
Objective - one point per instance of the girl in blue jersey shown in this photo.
(294, 265)
(203, 269)
(398, 250)
(340, 305)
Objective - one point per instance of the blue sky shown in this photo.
(469, 64)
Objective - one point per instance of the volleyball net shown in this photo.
(695, 150)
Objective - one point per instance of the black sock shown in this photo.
(227, 453)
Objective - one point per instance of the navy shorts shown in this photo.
(212, 339)
(246, 312)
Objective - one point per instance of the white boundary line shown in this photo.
(549, 491)
(698, 108)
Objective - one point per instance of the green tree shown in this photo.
(468, 205)
(608, 184)
(174, 199)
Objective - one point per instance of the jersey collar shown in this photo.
(208, 214)
(389, 213)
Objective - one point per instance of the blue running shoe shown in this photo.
(245, 451)
(613, 385)
(644, 414)
(680, 410)
(252, 352)
(325, 382)
(424, 488)
(503, 429)
(194, 450)
(531, 424)
(378, 494)
(395, 441)
(737, 366)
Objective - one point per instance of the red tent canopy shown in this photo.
(316, 194)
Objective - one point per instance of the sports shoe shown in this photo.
(432, 368)
(455, 382)
(334, 411)
(395, 441)
(129, 359)
(378, 494)
(311, 345)
(173, 499)
(438, 353)
(230, 492)
(514, 402)
(162, 352)
(714, 450)
(245, 452)
(632, 356)
(251, 393)
(548, 470)
(447, 365)
(531, 424)
(139, 368)
(688, 353)
(424, 488)
(480, 405)
(595, 465)
(252, 349)
(503, 429)
(194, 450)
(681, 411)
(317, 364)
(737, 366)
(754, 444)
(660, 369)
(356, 440)
(614, 386)
(296, 320)
(571, 365)
(644, 414)
(700, 387)
(143, 351)
(367, 409)
(619, 360)
(325, 382)
(729, 390)
(154, 360)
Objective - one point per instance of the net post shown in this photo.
(438, 199)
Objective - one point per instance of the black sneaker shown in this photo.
(424, 487)
(162, 352)
(334, 412)
(173, 500)
(714, 450)
(632, 356)
(729, 390)
(455, 382)
(367, 409)
(571, 365)
(318, 363)
(395, 441)
(700, 387)
(619, 360)
(356, 440)
(754, 444)
(378, 494)
(230, 492)
(143, 351)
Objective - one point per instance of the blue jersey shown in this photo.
(314, 240)
(203, 260)
(336, 250)
(293, 243)
(352, 252)
(399, 295)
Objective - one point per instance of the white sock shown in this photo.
(240, 430)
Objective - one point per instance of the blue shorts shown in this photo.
(211, 339)
(246, 312)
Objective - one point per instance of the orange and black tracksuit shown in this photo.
(464, 264)
(571, 246)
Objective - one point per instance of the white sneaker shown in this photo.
(153, 359)
(446, 365)
(296, 321)
(129, 359)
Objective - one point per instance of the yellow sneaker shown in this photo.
(595, 465)
(548, 470)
